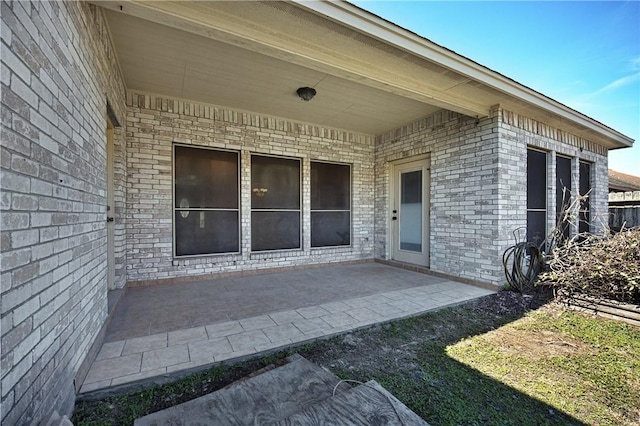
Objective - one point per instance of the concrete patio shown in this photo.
(167, 328)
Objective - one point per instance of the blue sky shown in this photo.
(584, 54)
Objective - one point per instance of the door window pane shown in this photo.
(330, 204)
(206, 208)
(275, 203)
(411, 211)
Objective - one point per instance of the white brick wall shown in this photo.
(464, 190)
(154, 123)
(57, 65)
(479, 184)
(518, 133)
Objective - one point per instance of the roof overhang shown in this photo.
(371, 75)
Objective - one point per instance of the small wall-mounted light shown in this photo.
(306, 93)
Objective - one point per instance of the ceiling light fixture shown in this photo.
(306, 93)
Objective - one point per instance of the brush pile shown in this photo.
(605, 268)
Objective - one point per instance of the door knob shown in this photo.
(110, 219)
(394, 218)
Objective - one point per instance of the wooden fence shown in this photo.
(624, 210)
(608, 308)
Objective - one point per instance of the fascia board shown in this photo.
(372, 25)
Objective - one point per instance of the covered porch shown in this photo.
(167, 329)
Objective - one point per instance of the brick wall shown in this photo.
(479, 184)
(59, 71)
(517, 133)
(464, 190)
(57, 66)
(154, 123)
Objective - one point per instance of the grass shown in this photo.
(470, 365)
(587, 367)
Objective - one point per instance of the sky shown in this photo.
(583, 54)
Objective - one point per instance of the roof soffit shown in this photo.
(535, 104)
(284, 31)
(346, 42)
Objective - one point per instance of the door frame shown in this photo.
(110, 207)
(419, 162)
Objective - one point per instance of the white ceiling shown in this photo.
(159, 59)
(370, 75)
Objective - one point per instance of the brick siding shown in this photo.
(479, 185)
(154, 123)
(57, 65)
(519, 133)
(464, 191)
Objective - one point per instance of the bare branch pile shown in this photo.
(606, 268)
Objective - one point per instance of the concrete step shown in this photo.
(264, 398)
(364, 405)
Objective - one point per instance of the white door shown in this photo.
(410, 212)
(110, 211)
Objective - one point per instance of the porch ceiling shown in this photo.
(159, 59)
(371, 76)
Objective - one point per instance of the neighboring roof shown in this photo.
(370, 74)
(622, 182)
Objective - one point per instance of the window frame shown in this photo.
(299, 210)
(350, 210)
(544, 210)
(565, 226)
(584, 210)
(175, 209)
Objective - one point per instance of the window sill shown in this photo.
(207, 259)
(333, 249)
(273, 254)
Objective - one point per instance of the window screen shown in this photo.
(330, 204)
(206, 212)
(585, 205)
(275, 203)
(536, 196)
(563, 194)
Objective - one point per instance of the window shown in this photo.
(585, 206)
(330, 204)
(275, 203)
(563, 194)
(206, 207)
(536, 197)
(411, 211)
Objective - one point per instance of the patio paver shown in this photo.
(159, 358)
(371, 293)
(187, 335)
